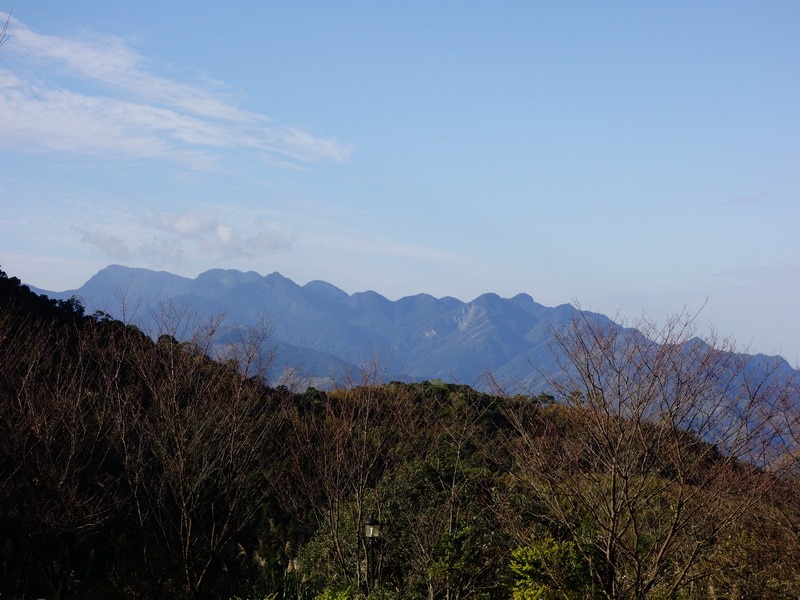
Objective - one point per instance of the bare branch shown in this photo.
(4, 30)
(661, 445)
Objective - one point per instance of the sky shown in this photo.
(634, 158)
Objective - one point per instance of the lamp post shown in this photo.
(372, 532)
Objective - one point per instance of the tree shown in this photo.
(547, 569)
(58, 474)
(662, 444)
(444, 535)
(194, 438)
(338, 446)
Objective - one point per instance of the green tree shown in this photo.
(547, 569)
(445, 540)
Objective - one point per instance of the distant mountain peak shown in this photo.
(319, 286)
(318, 325)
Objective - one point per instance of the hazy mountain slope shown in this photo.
(320, 329)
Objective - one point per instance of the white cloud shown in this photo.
(167, 251)
(203, 233)
(136, 114)
(112, 245)
(176, 240)
(224, 235)
(186, 224)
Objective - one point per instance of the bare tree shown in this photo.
(193, 436)
(663, 442)
(57, 470)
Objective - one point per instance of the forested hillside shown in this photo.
(139, 467)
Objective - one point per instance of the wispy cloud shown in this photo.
(170, 238)
(205, 233)
(110, 101)
(112, 245)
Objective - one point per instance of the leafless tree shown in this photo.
(57, 466)
(662, 443)
(193, 435)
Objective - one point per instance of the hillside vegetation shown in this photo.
(141, 467)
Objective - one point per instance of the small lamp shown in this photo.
(372, 528)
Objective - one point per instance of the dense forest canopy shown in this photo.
(139, 467)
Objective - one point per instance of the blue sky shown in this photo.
(633, 157)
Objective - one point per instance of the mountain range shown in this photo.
(321, 333)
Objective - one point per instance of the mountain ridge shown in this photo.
(322, 328)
